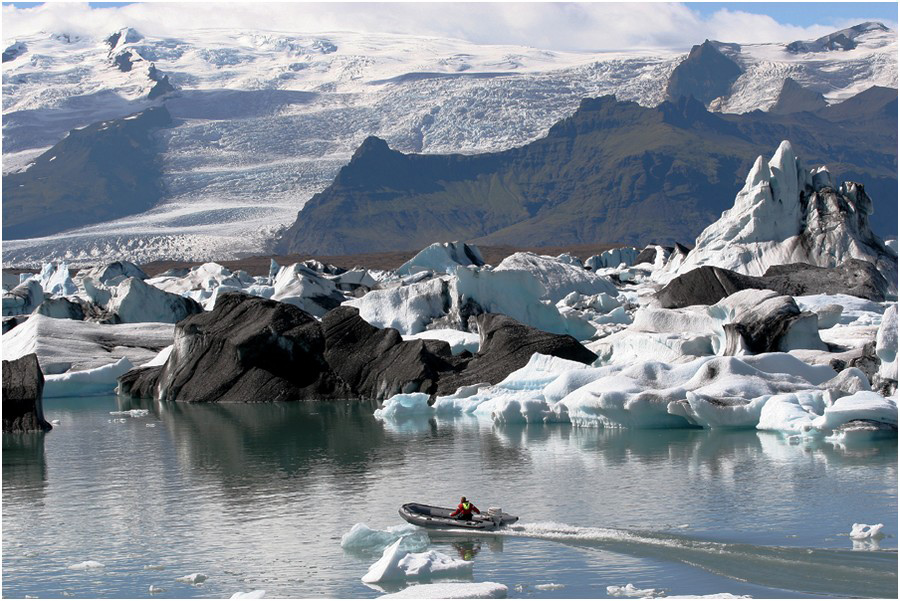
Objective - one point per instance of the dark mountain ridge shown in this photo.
(100, 172)
(613, 172)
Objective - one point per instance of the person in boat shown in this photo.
(465, 510)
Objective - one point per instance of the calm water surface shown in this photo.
(258, 496)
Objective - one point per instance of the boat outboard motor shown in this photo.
(495, 514)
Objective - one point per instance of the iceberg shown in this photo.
(787, 214)
(867, 532)
(407, 309)
(88, 382)
(364, 539)
(558, 278)
(404, 405)
(442, 258)
(396, 564)
(67, 345)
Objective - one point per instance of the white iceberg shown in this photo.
(87, 565)
(63, 345)
(629, 590)
(89, 382)
(442, 257)
(407, 309)
(398, 565)
(788, 214)
(867, 531)
(404, 405)
(452, 590)
(257, 594)
(558, 278)
(362, 538)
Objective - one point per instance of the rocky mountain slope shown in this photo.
(264, 120)
(95, 174)
(614, 172)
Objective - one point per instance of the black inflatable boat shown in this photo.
(429, 516)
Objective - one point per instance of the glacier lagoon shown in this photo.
(258, 496)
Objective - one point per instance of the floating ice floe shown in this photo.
(629, 590)
(867, 532)
(257, 594)
(362, 538)
(87, 565)
(195, 578)
(155, 590)
(452, 590)
(132, 412)
(550, 586)
(770, 391)
(404, 405)
(88, 382)
(397, 565)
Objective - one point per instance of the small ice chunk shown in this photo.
(867, 531)
(257, 594)
(132, 412)
(87, 565)
(452, 590)
(155, 590)
(629, 590)
(550, 586)
(362, 538)
(195, 578)
(154, 567)
(150, 425)
(87, 382)
(54, 422)
(404, 405)
(395, 564)
(713, 596)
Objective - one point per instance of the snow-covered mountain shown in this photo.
(263, 120)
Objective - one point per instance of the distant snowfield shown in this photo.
(265, 119)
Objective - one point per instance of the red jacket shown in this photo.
(460, 510)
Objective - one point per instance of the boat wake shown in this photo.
(834, 572)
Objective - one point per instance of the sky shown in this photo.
(548, 25)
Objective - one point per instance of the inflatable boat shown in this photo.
(429, 516)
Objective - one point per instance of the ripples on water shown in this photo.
(257, 497)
